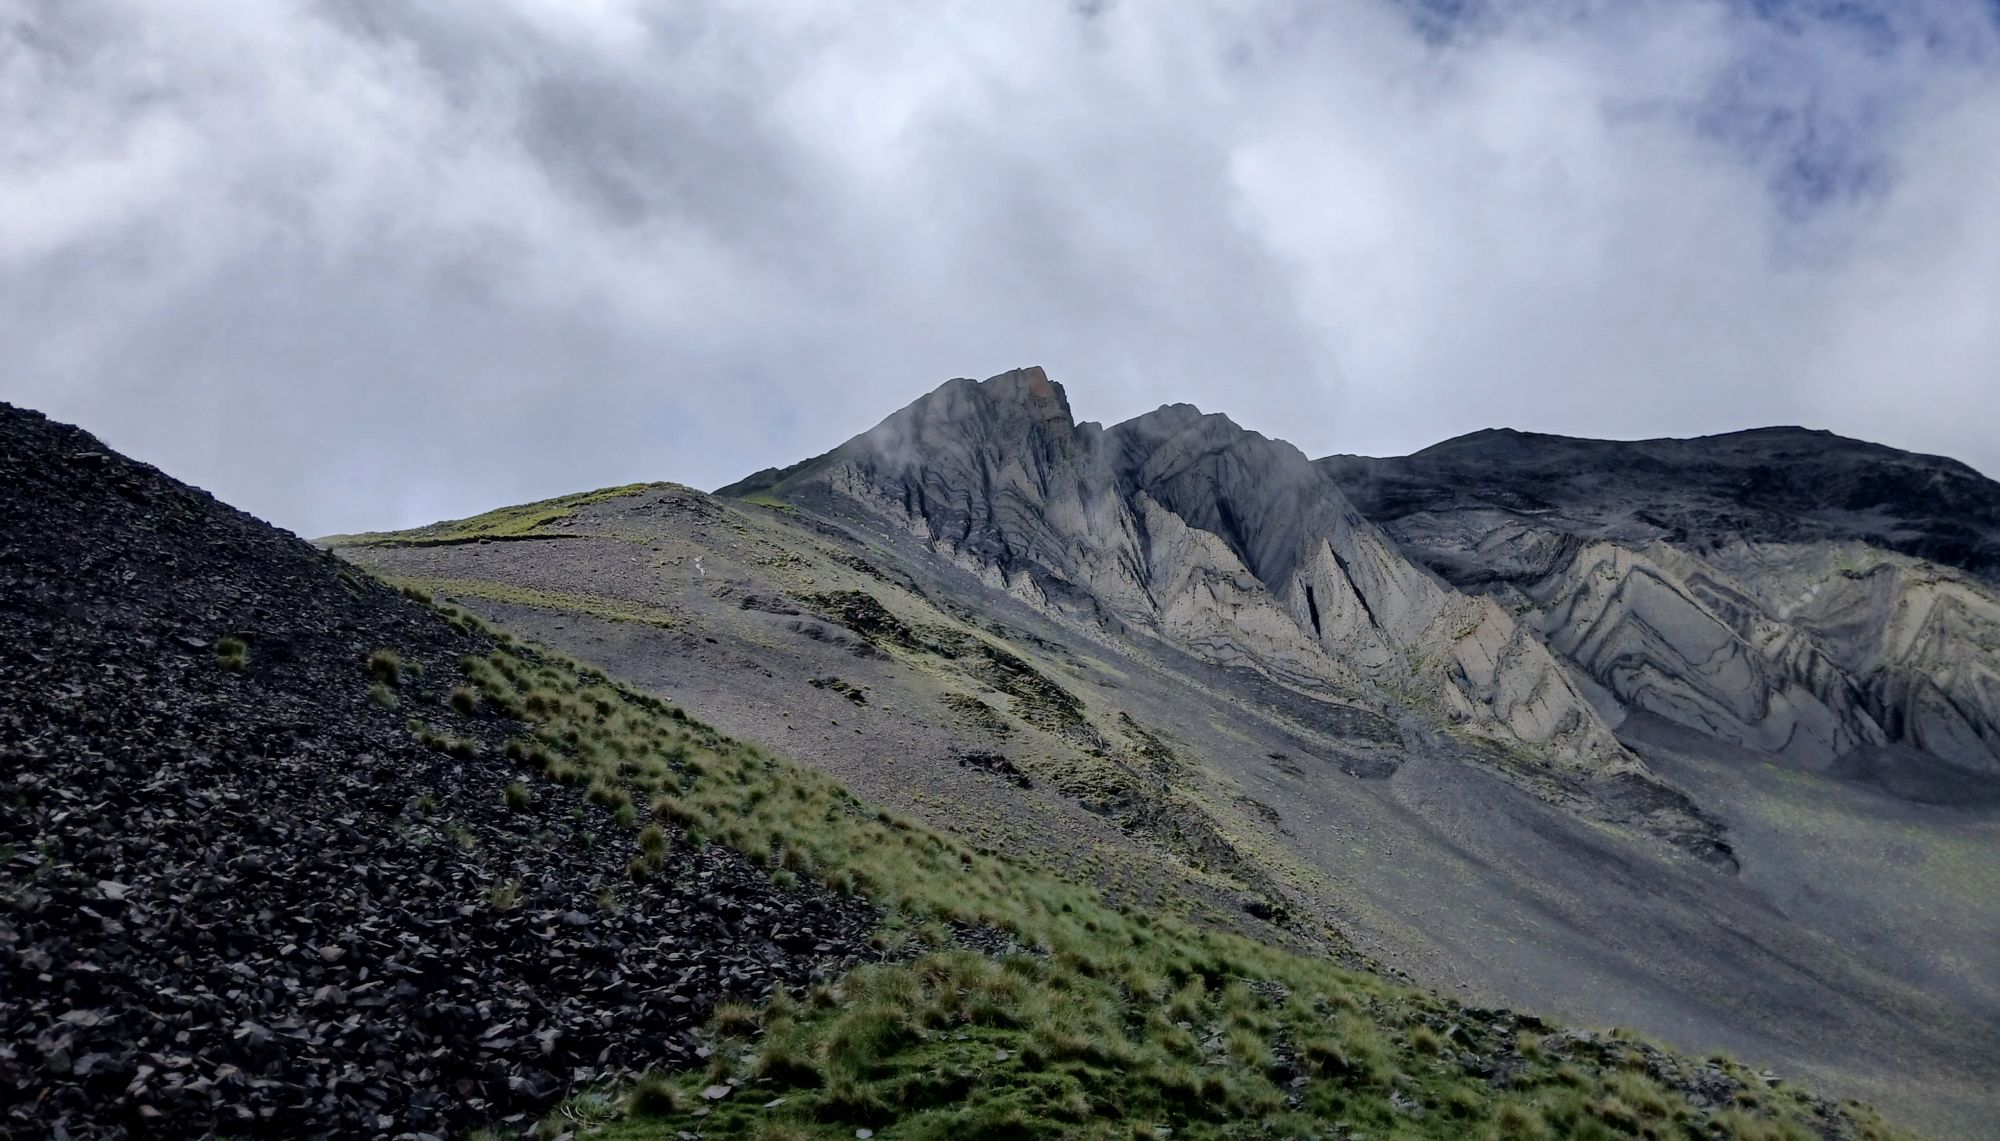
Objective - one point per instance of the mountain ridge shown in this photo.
(247, 893)
(1949, 511)
(1132, 650)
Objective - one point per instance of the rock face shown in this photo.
(249, 902)
(1215, 539)
(1789, 590)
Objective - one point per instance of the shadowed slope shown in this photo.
(239, 895)
(1777, 484)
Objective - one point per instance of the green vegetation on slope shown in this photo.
(1081, 1020)
(524, 521)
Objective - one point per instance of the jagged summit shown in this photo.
(1023, 392)
(1031, 384)
(1022, 404)
(1218, 539)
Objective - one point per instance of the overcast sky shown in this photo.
(364, 264)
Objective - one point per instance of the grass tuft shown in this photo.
(734, 1020)
(655, 1095)
(232, 654)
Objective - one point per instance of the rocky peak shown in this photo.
(1257, 494)
(960, 424)
(1019, 412)
(996, 472)
(1021, 396)
(1031, 387)
(1222, 540)
(1183, 430)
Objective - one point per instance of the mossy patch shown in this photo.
(862, 613)
(764, 499)
(977, 715)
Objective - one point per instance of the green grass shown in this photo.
(523, 521)
(386, 666)
(232, 654)
(1110, 1022)
(505, 895)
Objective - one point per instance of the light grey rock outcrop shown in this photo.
(1787, 590)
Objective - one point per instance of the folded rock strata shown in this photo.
(1788, 590)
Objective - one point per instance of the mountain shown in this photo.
(290, 850)
(1824, 599)
(1776, 484)
(1188, 665)
(1185, 529)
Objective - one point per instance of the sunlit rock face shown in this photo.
(1789, 590)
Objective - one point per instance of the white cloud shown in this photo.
(354, 264)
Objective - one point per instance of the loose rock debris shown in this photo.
(251, 903)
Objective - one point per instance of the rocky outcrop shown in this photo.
(1919, 643)
(1782, 589)
(1223, 542)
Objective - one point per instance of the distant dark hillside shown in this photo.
(1776, 484)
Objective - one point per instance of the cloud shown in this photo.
(361, 264)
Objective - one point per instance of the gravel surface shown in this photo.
(251, 903)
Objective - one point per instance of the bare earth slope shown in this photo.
(1175, 656)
